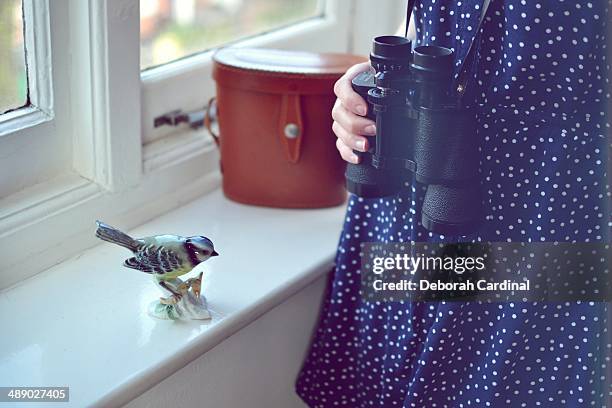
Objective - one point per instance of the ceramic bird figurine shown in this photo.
(166, 257)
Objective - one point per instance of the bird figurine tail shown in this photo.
(107, 233)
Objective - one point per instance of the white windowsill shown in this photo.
(83, 323)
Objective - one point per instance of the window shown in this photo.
(13, 76)
(78, 142)
(172, 29)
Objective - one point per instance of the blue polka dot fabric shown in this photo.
(541, 83)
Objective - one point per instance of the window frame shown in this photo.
(87, 67)
(22, 128)
(39, 107)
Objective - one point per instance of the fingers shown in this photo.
(349, 129)
(351, 140)
(346, 152)
(344, 91)
(350, 122)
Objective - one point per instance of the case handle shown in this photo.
(210, 115)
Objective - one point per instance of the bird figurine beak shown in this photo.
(214, 253)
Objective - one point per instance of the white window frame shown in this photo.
(23, 128)
(95, 90)
(103, 108)
(38, 67)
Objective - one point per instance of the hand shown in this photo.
(349, 124)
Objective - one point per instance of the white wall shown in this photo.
(374, 18)
(254, 368)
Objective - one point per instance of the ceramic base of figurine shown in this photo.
(191, 305)
(178, 311)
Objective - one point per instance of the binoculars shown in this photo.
(421, 129)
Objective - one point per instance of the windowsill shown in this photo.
(83, 323)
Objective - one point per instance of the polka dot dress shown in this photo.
(541, 79)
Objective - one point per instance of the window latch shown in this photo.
(194, 119)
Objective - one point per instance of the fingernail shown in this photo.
(361, 110)
(370, 129)
(361, 145)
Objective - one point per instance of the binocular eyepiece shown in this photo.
(421, 128)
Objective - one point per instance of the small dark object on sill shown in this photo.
(195, 119)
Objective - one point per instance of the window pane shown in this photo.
(171, 29)
(13, 77)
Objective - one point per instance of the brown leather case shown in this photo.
(274, 112)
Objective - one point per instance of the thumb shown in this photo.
(350, 99)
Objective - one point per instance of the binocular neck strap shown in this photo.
(408, 14)
(468, 61)
(470, 57)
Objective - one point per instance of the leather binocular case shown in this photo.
(275, 137)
